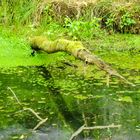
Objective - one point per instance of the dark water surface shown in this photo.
(68, 101)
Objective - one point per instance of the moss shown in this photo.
(40, 42)
(77, 49)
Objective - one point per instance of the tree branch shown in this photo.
(75, 48)
(42, 121)
(82, 128)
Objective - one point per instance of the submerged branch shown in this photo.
(75, 48)
(82, 128)
(33, 112)
(15, 96)
(42, 121)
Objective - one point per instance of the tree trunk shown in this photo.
(75, 48)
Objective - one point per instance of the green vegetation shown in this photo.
(121, 16)
(57, 85)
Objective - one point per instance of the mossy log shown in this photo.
(75, 48)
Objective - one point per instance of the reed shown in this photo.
(117, 15)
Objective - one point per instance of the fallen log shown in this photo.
(75, 48)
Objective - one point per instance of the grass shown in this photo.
(20, 21)
(112, 48)
(115, 15)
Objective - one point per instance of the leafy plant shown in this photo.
(126, 21)
(110, 22)
(79, 29)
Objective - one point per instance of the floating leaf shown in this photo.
(98, 96)
(51, 113)
(127, 99)
(41, 102)
(81, 97)
(1, 107)
(22, 137)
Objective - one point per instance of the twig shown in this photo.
(77, 132)
(102, 127)
(29, 109)
(82, 128)
(107, 80)
(33, 112)
(14, 95)
(40, 123)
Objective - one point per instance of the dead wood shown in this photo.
(77, 49)
(82, 128)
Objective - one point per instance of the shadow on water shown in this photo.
(69, 101)
(73, 117)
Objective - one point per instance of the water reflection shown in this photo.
(69, 101)
(18, 132)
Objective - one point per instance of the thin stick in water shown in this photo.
(82, 128)
(40, 123)
(33, 112)
(30, 110)
(14, 95)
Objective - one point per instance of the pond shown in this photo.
(68, 100)
(67, 93)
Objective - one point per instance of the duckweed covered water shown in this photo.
(68, 96)
(69, 101)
